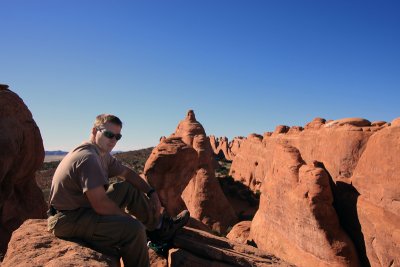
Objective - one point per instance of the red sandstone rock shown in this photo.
(188, 128)
(219, 250)
(32, 245)
(377, 180)
(240, 232)
(315, 123)
(359, 122)
(281, 129)
(338, 147)
(214, 142)
(296, 220)
(21, 154)
(396, 122)
(203, 195)
(169, 169)
(221, 146)
(251, 162)
(234, 146)
(157, 260)
(295, 130)
(224, 148)
(378, 123)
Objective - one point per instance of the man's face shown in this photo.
(102, 141)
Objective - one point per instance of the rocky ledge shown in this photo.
(32, 245)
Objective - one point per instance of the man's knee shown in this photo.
(135, 230)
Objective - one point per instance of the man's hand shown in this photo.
(101, 203)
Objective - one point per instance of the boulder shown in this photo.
(281, 129)
(316, 123)
(296, 220)
(240, 232)
(395, 122)
(32, 245)
(21, 154)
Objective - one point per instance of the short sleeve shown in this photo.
(115, 167)
(91, 174)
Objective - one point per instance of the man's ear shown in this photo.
(94, 131)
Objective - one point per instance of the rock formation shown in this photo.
(219, 250)
(329, 194)
(169, 168)
(223, 148)
(359, 157)
(250, 164)
(32, 245)
(338, 144)
(240, 232)
(21, 154)
(377, 180)
(296, 219)
(203, 195)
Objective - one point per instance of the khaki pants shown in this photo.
(115, 235)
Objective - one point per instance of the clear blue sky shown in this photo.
(242, 66)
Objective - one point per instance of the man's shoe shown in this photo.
(169, 226)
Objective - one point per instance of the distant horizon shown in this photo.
(243, 67)
(229, 139)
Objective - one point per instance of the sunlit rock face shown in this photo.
(377, 180)
(194, 172)
(296, 219)
(361, 160)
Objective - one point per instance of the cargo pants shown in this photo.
(115, 235)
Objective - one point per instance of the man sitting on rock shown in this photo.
(83, 205)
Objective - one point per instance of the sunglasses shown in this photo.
(109, 134)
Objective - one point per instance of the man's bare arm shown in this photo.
(101, 203)
(133, 178)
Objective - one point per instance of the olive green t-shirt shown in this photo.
(81, 169)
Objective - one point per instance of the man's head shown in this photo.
(106, 132)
